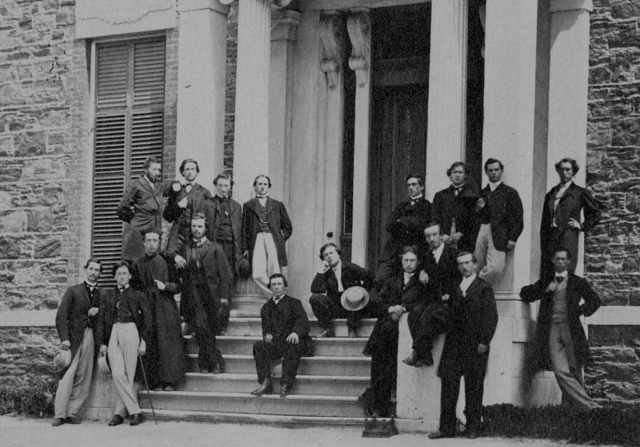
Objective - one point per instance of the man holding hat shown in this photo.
(332, 294)
(75, 321)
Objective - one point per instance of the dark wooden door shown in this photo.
(398, 148)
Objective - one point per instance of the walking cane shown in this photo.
(146, 384)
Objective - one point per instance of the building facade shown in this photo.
(336, 100)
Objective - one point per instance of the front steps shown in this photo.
(326, 391)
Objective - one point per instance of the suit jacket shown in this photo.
(447, 206)
(444, 276)
(218, 273)
(352, 275)
(473, 321)
(574, 200)
(283, 319)
(195, 201)
(394, 292)
(279, 224)
(405, 226)
(577, 288)
(135, 302)
(141, 207)
(72, 317)
(213, 211)
(505, 208)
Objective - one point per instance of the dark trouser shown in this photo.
(555, 238)
(473, 369)
(327, 308)
(384, 363)
(204, 310)
(425, 324)
(223, 312)
(264, 353)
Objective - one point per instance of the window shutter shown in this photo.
(129, 127)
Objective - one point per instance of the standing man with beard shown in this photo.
(207, 279)
(75, 322)
(164, 362)
(141, 207)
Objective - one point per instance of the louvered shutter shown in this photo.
(128, 129)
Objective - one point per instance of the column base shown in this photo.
(247, 299)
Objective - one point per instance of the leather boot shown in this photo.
(265, 388)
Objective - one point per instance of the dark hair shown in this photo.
(465, 253)
(327, 245)
(491, 161)
(118, 265)
(255, 182)
(433, 224)
(199, 215)
(153, 230)
(184, 163)
(151, 160)
(224, 176)
(410, 249)
(455, 165)
(574, 165)
(95, 261)
(418, 177)
(564, 249)
(278, 275)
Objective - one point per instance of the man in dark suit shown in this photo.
(123, 330)
(184, 200)
(501, 223)
(473, 322)
(560, 344)
(561, 226)
(265, 228)
(328, 285)
(400, 294)
(285, 333)
(224, 218)
(75, 321)
(405, 225)
(439, 272)
(141, 207)
(455, 208)
(207, 279)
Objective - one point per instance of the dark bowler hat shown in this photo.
(243, 267)
(62, 359)
(355, 298)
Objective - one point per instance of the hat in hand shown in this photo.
(243, 267)
(62, 360)
(355, 298)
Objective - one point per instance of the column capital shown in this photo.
(570, 5)
(198, 5)
(331, 36)
(286, 26)
(359, 29)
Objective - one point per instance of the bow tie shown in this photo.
(559, 279)
(196, 243)
(122, 289)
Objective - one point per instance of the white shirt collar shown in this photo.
(493, 186)
(466, 282)
(562, 187)
(563, 274)
(418, 197)
(437, 253)
(277, 299)
(407, 277)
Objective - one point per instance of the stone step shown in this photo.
(284, 421)
(253, 327)
(292, 405)
(314, 366)
(244, 383)
(243, 345)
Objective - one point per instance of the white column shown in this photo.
(568, 90)
(446, 129)
(359, 28)
(202, 55)
(251, 136)
(283, 38)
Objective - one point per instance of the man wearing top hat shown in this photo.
(328, 287)
(75, 321)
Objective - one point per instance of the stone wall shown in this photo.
(613, 250)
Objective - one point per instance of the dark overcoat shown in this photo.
(284, 318)
(473, 321)
(214, 213)
(352, 275)
(506, 211)
(447, 207)
(279, 224)
(405, 227)
(72, 317)
(444, 276)
(141, 208)
(577, 288)
(181, 217)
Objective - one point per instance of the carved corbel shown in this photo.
(332, 41)
(359, 28)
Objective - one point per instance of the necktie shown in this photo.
(559, 279)
(456, 191)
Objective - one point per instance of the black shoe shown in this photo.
(424, 361)
(471, 434)
(217, 370)
(73, 420)
(116, 420)
(136, 419)
(285, 390)
(411, 360)
(265, 388)
(57, 422)
(441, 434)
